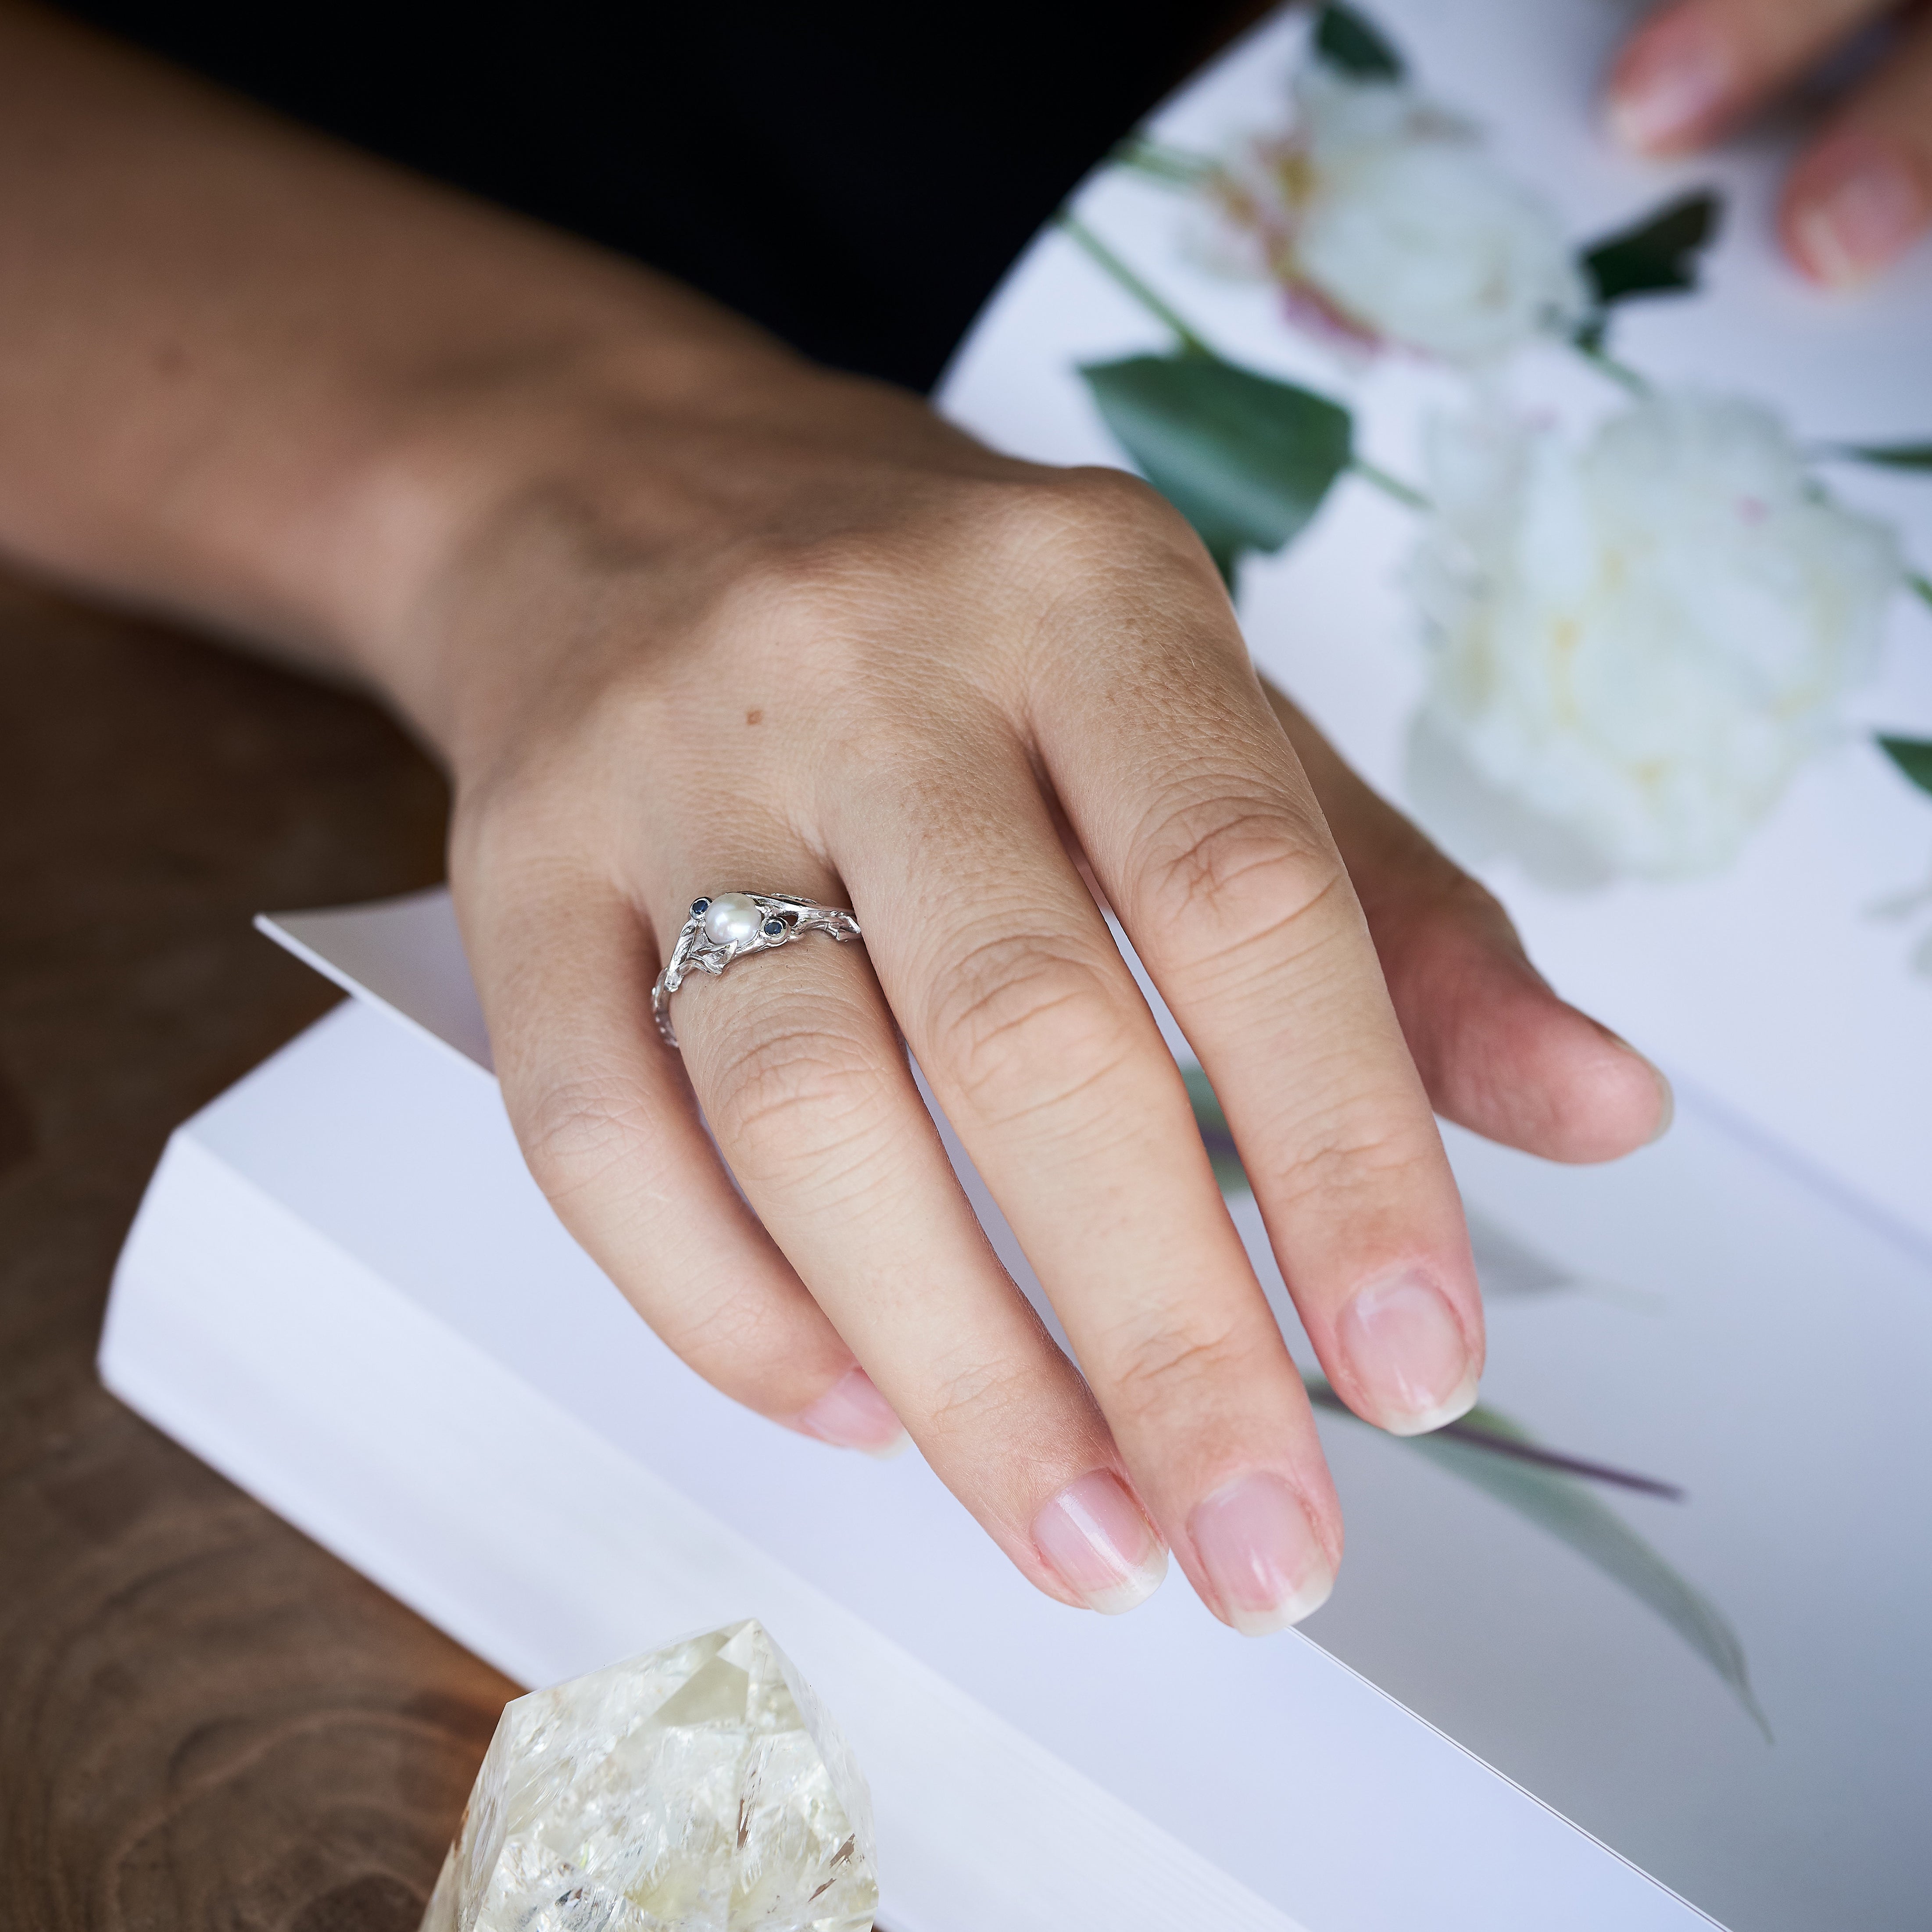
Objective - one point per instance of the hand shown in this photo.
(682, 613)
(1860, 193)
(808, 639)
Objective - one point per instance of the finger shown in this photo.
(1696, 68)
(805, 1083)
(1498, 1051)
(606, 1121)
(1861, 194)
(1201, 825)
(1047, 1062)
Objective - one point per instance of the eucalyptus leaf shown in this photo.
(1560, 1504)
(1890, 455)
(1349, 41)
(1245, 458)
(1563, 1507)
(1552, 1498)
(1912, 756)
(1658, 257)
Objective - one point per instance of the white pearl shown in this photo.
(732, 918)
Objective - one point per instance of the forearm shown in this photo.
(230, 352)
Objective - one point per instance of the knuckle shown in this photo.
(1058, 533)
(743, 1338)
(1105, 524)
(1247, 869)
(1349, 1166)
(977, 1398)
(1094, 501)
(1120, 497)
(807, 575)
(1022, 1016)
(807, 614)
(574, 1131)
(1176, 1366)
(804, 1091)
(817, 585)
(1010, 1414)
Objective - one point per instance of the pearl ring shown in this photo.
(726, 926)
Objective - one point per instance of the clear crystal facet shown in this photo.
(703, 1788)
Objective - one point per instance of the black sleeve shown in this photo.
(853, 177)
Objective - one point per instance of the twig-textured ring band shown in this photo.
(726, 926)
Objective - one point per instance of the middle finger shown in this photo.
(1047, 1062)
(1202, 830)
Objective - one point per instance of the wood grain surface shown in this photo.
(204, 1721)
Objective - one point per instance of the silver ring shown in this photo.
(725, 926)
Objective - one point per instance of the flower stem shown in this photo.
(1405, 493)
(1175, 165)
(1156, 305)
(1605, 364)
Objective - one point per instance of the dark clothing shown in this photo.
(856, 179)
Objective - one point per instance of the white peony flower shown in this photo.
(1383, 214)
(1643, 641)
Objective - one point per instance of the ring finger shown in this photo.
(801, 1075)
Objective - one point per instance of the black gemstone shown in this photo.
(775, 928)
(697, 907)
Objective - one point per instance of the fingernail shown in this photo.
(1667, 1096)
(1666, 1103)
(1867, 218)
(1095, 1540)
(1409, 1353)
(1260, 1551)
(852, 1415)
(1675, 86)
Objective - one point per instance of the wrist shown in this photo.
(471, 478)
(508, 522)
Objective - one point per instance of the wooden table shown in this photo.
(204, 1719)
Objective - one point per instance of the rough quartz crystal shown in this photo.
(703, 1788)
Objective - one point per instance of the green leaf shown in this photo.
(1245, 459)
(1912, 756)
(1561, 1505)
(1658, 256)
(1890, 455)
(1348, 41)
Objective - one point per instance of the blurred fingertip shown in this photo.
(1671, 85)
(1631, 1112)
(1667, 1108)
(1853, 206)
